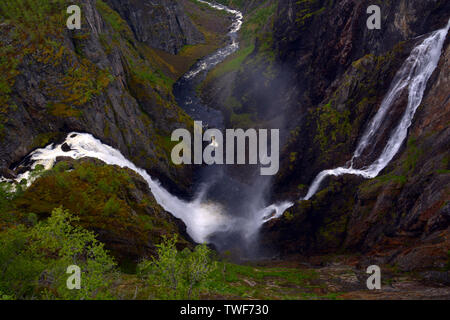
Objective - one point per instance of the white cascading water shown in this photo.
(413, 76)
(213, 60)
(202, 218)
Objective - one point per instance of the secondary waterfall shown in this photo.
(413, 76)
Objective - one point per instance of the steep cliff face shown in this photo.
(400, 218)
(161, 24)
(99, 80)
(329, 47)
(316, 71)
(342, 71)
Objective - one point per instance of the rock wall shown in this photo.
(320, 74)
(160, 24)
(100, 80)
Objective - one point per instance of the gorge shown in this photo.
(89, 121)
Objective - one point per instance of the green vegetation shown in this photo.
(309, 9)
(232, 64)
(36, 31)
(196, 274)
(177, 275)
(333, 128)
(255, 53)
(34, 260)
(40, 242)
(251, 29)
(445, 165)
(233, 3)
(104, 198)
(255, 22)
(26, 23)
(113, 19)
(413, 153)
(37, 247)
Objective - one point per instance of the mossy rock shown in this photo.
(116, 203)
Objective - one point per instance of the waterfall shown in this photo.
(413, 76)
(201, 217)
(204, 218)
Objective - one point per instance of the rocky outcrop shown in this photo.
(160, 24)
(98, 80)
(115, 203)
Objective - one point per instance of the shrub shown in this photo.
(175, 274)
(33, 262)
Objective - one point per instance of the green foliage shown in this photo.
(5, 296)
(257, 19)
(247, 281)
(8, 192)
(113, 19)
(155, 77)
(308, 9)
(413, 154)
(180, 275)
(33, 15)
(333, 127)
(445, 165)
(112, 206)
(233, 3)
(105, 198)
(33, 261)
(252, 28)
(234, 63)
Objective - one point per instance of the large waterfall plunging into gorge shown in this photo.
(203, 217)
(245, 209)
(412, 76)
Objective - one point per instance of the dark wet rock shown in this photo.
(7, 173)
(160, 24)
(437, 276)
(65, 147)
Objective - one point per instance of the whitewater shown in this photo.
(412, 76)
(204, 218)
